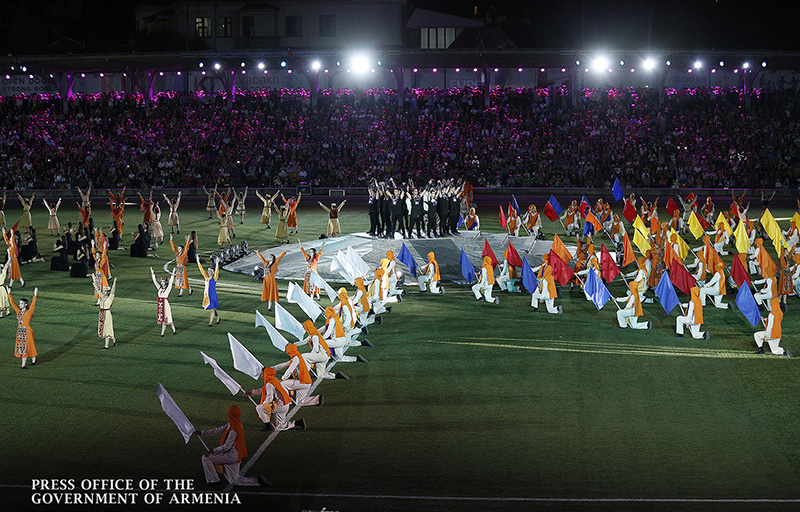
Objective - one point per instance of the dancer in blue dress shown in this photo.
(210, 301)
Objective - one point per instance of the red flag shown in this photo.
(510, 207)
(513, 256)
(734, 210)
(607, 264)
(487, 251)
(681, 278)
(628, 257)
(629, 212)
(690, 197)
(549, 212)
(584, 207)
(561, 271)
(671, 207)
(13, 229)
(738, 272)
(502, 218)
(703, 221)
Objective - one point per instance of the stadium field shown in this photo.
(462, 406)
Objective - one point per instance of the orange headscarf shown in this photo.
(236, 425)
(698, 306)
(487, 265)
(312, 331)
(637, 304)
(269, 378)
(302, 369)
(360, 285)
(776, 312)
(390, 255)
(330, 314)
(720, 268)
(551, 284)
(345, 301)
(432, 261)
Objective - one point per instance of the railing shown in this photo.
(257, 42)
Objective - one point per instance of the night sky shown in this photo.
(676, 24)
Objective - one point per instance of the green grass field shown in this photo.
(460, 399)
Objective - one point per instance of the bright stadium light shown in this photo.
(316, 65)
(241, 64)
(621, 62)
(458, 69)
(600, 63)
(698, 64)
(261, 65)
(721, 63)
(283, 63)
(217, 65)
(649, 64)
(764, 64)
(668, 63)
(200, 65)
(360, 64)
(746, 65)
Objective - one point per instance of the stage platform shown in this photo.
(372, 249)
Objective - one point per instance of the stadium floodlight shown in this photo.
(577, 62)
(746, 65)
(764, 64)
(83, 75)
(698, 64)
(283, 63)
(458, 69)
(474, 70)
(519, 70)
(179, 73)
(633, 70)
(563, 70)
(721, 63)
(200, 64)
(261, 65)
(24, 69)
(713, 70)
(600, 63)
(161, 73)
(217, 65)
(316, 65)
(649, 64)
(435, 70)
(360, 64)
(541, 70)
(415, 70)
(668, 63)
(102, 75)
(621, 62)
(380, 63)
(496, 70)
(241, 64)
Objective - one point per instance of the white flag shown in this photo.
(175, 414)
(277, 339)
(226, 379)
(296, 295)
(243, 360)
(361, 267)
(317, 281)
(344, 267)
(286, 322)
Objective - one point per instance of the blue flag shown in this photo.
(588, 228)
(405, 258)
(597, 290)
(747, 305)
(554, 204)
(617, 190)
(460, 222)
(467, 270)
(514, 203)
(529, 280)
(666, 293)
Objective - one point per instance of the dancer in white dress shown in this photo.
(163, 311)
(52, 223)
(173, 222)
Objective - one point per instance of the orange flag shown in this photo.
(560, 249)
(670, 255)
(767, 264)
(628, 248)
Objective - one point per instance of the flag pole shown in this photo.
(204, 443)
(584, 289)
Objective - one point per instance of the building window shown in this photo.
(327, 26)
(225, 27)
(202, 27)
(294, 26)
(437, 38)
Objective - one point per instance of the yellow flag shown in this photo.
(682, 245)
(638, 223)
(695, 227)
(778, 240)
(722, 220)
(742, 240)
(768, 223)
(641, 242)
(796, 219)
